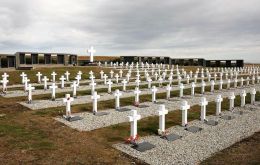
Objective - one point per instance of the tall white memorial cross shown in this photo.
(53, 87)
(133, 119)
(67, 74)
(162, 112)
(149, 82)
(68, 101)
(203, 104)
(95, 97)
(45, 79)
(137, 93)
(23, 75)
(243, 98)
(168, 91)
(241, 82)
(231, 98)
(92, 85)
(74, 89)
(78, 80)
(128, 77)
(30, 88)
(218, 101)
(228, 84)
(193, 85)
(184, 108)
(62, 79)
(39, 75)
(92, 77)
(124, 82)
(91, 51)
(253, 93)
(53, 76)
(154, 90)
(181, 86)
(160, 81)
(117, 98)
(109, 83)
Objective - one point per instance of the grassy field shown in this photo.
(34, 137)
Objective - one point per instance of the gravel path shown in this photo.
(91, 122)
(193, 148)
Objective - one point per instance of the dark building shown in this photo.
(32, 59)
(183, 61)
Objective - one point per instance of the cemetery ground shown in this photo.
(28, 136)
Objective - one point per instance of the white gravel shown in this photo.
(193, 148)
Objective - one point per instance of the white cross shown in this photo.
(242, 82)
(68, 101)
(243, 98)
(95, 97)
(111, 74)
(203, 104)
(67, 74)
(137, 81)
(188, 79)
(235, 83)
(23, 75)
(162, 112)
(117, 76)
(62, 79)
(170, 80)
(121, 73)
(181, 86)
(133, 119)
(124, 82)
(156, 76)
(179, 80)
(168, 91)
(53, 76)
(101, 74)
(74, 89)
(253, 93)
(91, 51)
(45, 79)
(193, 85)
(117, 98)
(203, 84)
(109, 83)
(53, 87)
(228, 84)
(5, 76)
(79, 73)
(218, 101)
(212, 83)
(92, 84)
(184, 107)
(149, 83)
(137, 93)
(160, 81)
(154, 90)
(231, 98)
(78, 80)
(4, 84)
(92, 77)
(39, 77)
(128, 77)
(105, 79)
(26, 80)
(29, 89)
(220, 84)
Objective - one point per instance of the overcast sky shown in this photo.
(212, 29)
